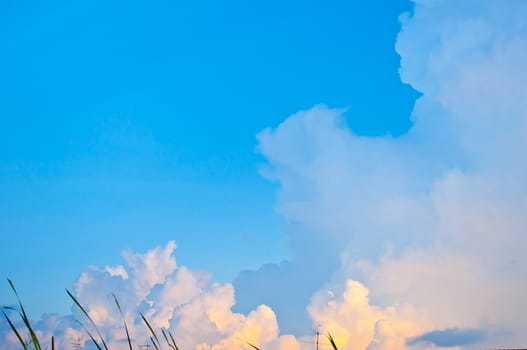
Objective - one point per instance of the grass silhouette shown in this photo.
(34, 343)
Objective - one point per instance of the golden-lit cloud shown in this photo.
(356, 324)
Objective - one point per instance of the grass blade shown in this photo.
(89, 335)
(22, 342)
(17, 298)
(332, 341)
(153, 342)
(166, 339)
(124, 321)
(25, 319)
(52, 343)
(152, 332)
(173, 341)
(89, 318)
(253, 346)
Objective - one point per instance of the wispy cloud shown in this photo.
(450, 337)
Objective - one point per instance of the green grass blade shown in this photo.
(173, 341)
(88, 317)
(17, 297)
(89, 335)
(253, 346)
(33, 335)
(25, 319)
(22, 342)
(13, 309)
(124, 321)
(153, 342)
(165, 336)
(166, 339)
(52, 343)
(151, 331)
(332, 341)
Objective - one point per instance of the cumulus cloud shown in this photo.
(197, 311)
(354, 323)
(435, 218)
(409, 242)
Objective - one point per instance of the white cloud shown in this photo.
(435, 218)
(355, 323)
(393, 237)
(171, 297)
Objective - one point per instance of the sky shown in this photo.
(252, 172)
(127, 125)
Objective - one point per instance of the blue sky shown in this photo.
(126, 124)
(272, 141)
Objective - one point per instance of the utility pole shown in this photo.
(317, 338)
